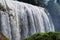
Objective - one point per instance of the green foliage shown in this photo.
(44, 36)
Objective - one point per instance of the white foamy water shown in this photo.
(24, 19)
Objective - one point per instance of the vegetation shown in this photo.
(2, 37)
(44, 36)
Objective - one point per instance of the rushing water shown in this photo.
(23, 20)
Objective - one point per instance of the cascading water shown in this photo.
(24, 19)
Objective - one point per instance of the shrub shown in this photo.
(44, 36)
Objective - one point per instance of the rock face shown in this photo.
(54, 9)
(23, 19)
(2, 37)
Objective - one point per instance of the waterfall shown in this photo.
(23, 20)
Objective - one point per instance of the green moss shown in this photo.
(44, 36)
